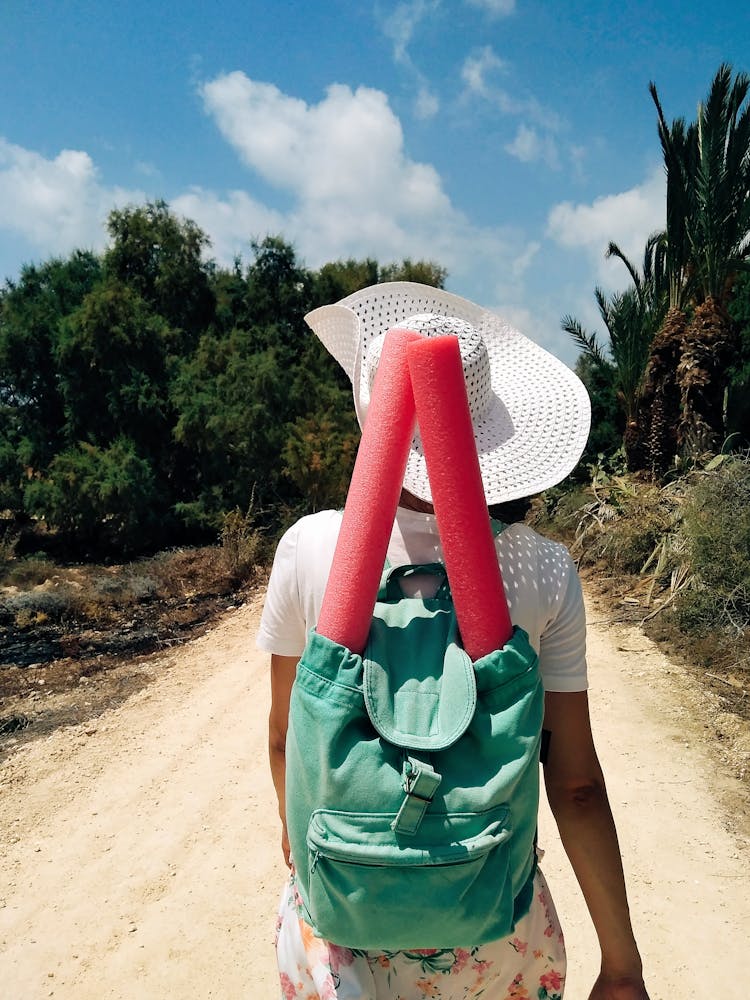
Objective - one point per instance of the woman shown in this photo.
(531, 418)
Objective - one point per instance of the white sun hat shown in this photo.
(531, 414)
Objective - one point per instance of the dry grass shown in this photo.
(675, 558)
(50, 611)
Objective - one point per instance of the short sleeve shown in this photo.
(562, 646)
(282, 625)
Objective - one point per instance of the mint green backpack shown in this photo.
(412, 780)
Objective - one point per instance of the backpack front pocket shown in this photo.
(371, 888)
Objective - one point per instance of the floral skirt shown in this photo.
(527, 965)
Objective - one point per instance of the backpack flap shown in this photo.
(419, 687)
(419, 684)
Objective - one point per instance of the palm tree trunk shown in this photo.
(702, 378)
(634, 443)
(660, 401)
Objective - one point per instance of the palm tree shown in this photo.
(661, 397)
(631, 319)
(647, 427)
(707, 241)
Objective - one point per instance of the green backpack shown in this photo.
(412, 780)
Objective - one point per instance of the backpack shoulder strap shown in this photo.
(435, 567)
(390, 581)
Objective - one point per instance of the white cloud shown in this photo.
(524, 260)
(147, 169)
(231, 222)
(529, 146)
(541, 324)
(56, 204)
(426, 104)
(526, 146)
(477, 67)
(340, 166)
(499, 8)
(477, 73)
(400, 25)
(347, 183)
(536, 138)
(353, 189)
(347, 150)
(627, 218)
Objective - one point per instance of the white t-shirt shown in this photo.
(541, 586)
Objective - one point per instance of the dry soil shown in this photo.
(140, 850)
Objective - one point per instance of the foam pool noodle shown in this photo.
(372, 499)
(458, 497)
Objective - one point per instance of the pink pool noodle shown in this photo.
(371, 502)
(457, 494)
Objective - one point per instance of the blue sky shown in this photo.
(509, 140)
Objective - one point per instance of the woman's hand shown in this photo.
(618, 988)
(285, 846)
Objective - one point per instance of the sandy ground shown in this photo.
(140, 860)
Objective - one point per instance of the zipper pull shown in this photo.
(314, 864)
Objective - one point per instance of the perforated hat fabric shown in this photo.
(531, 414)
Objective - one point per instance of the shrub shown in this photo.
(716, 528)
(142, 588)
(104, 497)
(558, 510)
(183, 573)
(242, 544)
(625, 524)
(36, 607)
(8, 542)
(29, 572)
(636, 533)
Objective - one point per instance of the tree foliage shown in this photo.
(100, 496)
(708, 241)
(630, 319)
(160, 257)
(607, 419)
(146, 392)
(738, 396)
(677, 391)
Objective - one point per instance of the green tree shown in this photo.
(631, 319)
(653, 401)
(738, 396)
(161, 257)
(112, 360)
(147, 390)
(87, 350)
(425, 272)
(245, 413)
(337, 279)
(101, 498)
(32, 422)
(607, 421)
(231, 401)
(278, 291)
(318, 457)
(708, 222)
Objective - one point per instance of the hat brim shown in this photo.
(537, 424)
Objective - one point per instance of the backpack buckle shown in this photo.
(420, 782)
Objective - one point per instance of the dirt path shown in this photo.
(139, 852)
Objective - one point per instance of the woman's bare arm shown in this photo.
(578, 798)
(283, 671)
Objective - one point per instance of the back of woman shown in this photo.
(531, 425)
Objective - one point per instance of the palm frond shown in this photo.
(613, 250)
(586, 341)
